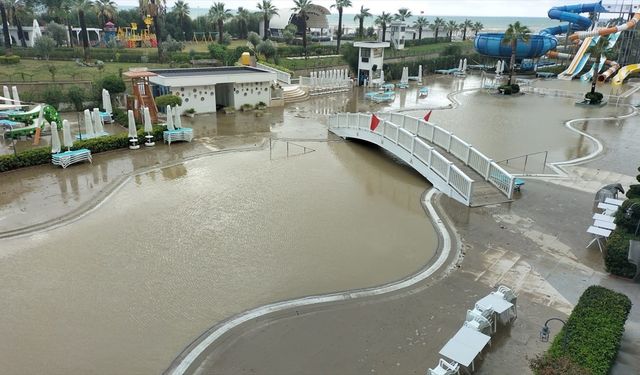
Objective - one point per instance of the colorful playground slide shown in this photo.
(539, 44)
(624, 73)
(613, 38)
(580, 59)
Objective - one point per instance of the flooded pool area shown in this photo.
(255, 210)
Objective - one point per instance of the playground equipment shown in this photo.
(142, 95)
(613, 38)
(131, 37)
(624, 73)
(204, 37)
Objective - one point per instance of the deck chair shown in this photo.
(445, 368)
(487, 313)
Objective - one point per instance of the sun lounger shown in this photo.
(603, 217)
(599, 234)
(182, 134)
(65, 159)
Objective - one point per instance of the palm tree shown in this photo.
(5, 28)
(181, 9)
(301, 8)
(383, 20)
(451, 27)
(467, 24)
(340, 5)
(477, 27)
(364, 13)
(154, 9)
(218, 15)
(267, 10)
(80, 6)
(403, 14)
(437, 24)
(105, 9)
(13, 7)
(243, 16)
(600, 49)
(515, 32)
(420, 23)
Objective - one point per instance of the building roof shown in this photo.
(209, 71)
(371, 44)
(139, 74)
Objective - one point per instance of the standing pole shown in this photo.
(79, 128)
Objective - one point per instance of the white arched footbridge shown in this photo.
(452, 165)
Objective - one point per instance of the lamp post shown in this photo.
(629, 214)
(545, 331)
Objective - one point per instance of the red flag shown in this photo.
(427, 116)
(374, 122)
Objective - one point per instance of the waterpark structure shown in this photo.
(579, 33)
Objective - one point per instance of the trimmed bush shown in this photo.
(42, 155)
(634, 190)
(112, 83)
(546, 365)
(509, 89)
(76, 96)
(594, 97)
(163, 101)
(616, 261)
(53, 95)
(9, 60)
(595, 329)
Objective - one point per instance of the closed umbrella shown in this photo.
(133, 132)
(55, 138)
(16, 98)
(177, 121)
(66, 134)
(106, 101)
(170, 119)
(464, 65)
(6, 95)
(498, 67)
(88, 124)
(97, 122)
(148, 127)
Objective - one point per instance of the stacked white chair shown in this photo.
(445, 368)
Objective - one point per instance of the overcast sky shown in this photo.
(487, 8)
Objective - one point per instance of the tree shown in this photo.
(515, 32)
(219, 15)
(477, 27)
(467, 24)
(57, 32)
(301, 8)
(340, 5)
(364, 13)
(267, 48)
(181, 9)
(451, 27)
(267, 10)
(420, 23)
(80, 6)
(599, 50)
(383, 20)
(44, 45)
(403, 14)
(13, 8)
(437, 24)
(5, 28)
(105, 9)
(243, 16)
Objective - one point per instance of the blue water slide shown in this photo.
(490, 44)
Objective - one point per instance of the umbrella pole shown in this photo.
(79, 128)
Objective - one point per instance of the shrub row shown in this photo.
(9, 60)
(594, 329)
(42, 155)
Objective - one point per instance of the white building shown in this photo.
(204, 89)
(370, 59)
(397, 34)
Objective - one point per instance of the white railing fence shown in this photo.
(416, 148)
(280, 75)
(397, 127)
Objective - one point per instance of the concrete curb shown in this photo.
(189, 357)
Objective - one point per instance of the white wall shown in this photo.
(251, 93)
(200, 98)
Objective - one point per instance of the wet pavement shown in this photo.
(179, 246)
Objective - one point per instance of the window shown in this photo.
(365, 59)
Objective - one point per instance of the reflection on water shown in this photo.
(164, 259)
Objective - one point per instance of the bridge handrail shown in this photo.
(416, 147)
(280, 75)
(501, 179)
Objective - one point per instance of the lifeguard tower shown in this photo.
(370, 59)
(142, 95)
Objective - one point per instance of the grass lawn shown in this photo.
(321, 62)
(38, 70)
(428, 49)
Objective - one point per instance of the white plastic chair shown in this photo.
(477, 322)
(445, 368)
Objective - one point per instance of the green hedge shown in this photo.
(9, 60)
(616, 261)
(595, 328)
(546, 365)
(42, 155)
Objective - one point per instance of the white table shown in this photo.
(604, 224)
(498, 304)
(599, 233)
(603, 217)
(465, 346)
(615, 202)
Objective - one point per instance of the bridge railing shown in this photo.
(462, 150)
(412, 144)
(280, 75)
